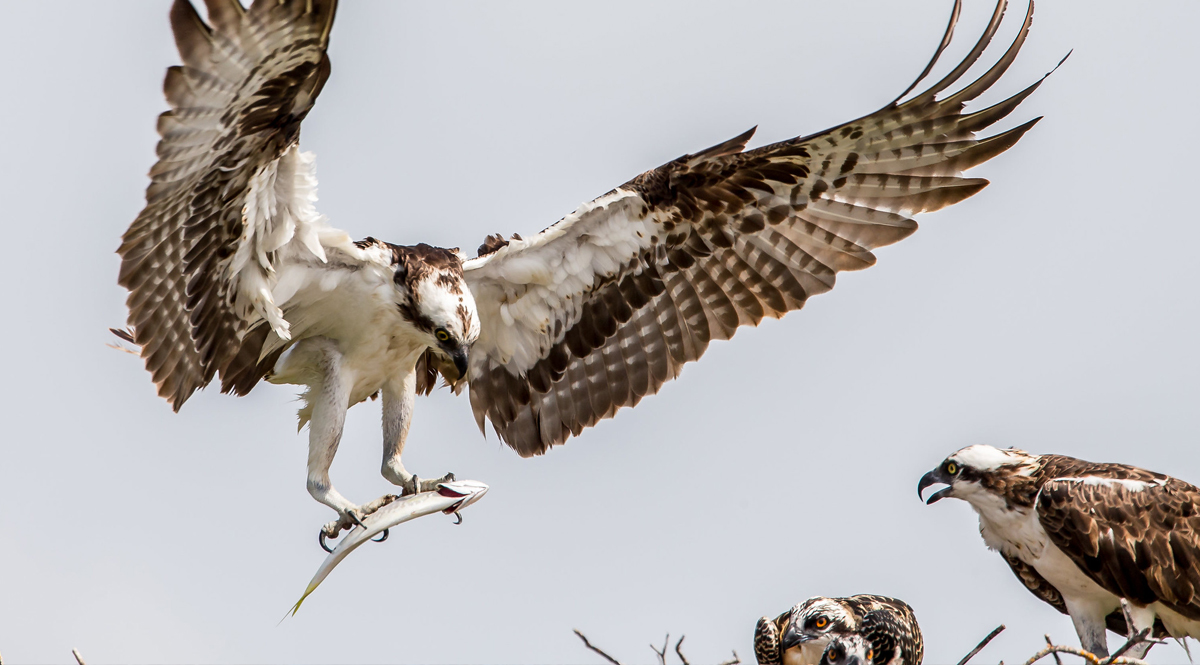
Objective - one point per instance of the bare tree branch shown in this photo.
(589, 645)
(979, 647)
(662, 655)
(735, 661)
(1093, 659)
(679, 653)
(78, 658)
(1050, 642)
(1134, 640)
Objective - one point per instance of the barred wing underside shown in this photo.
(604, 307)
(229, 193)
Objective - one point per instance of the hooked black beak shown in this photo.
(459, 355)
(934, 477)
(791, 638)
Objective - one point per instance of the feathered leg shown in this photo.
(399, 396)
(1090, 626)
(329, 400)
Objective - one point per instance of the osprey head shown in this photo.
(810, 628)
(975, 470)
(850, 649)
(433, 297)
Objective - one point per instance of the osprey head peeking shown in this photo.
(848, 650)
(976, 472)
(433, 297)
(811, 626)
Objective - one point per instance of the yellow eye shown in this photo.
(441, 334)
(834, 655)
(951, 468)
(822, 622)
(870, 655)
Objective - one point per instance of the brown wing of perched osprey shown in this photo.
(604, 307)
(1134, 532)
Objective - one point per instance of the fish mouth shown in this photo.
(470, 491)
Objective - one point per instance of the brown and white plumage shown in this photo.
(883, 638)
(229, 191)
(602, 308)
(803, 634)
(1083, 536)
(232, 271)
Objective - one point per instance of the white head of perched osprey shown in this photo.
(232, 272)
(1084, 536)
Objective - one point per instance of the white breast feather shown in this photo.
(280, 226)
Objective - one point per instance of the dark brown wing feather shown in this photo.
(735, 237)
(889, 623)
(236, 104)
(766, 639)
(1140, 544)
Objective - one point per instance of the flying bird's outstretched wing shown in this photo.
(1135, 533)
(605, 306)
(230, 193)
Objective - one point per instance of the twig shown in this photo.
(678, 652)
(1050, 642)
(979, 647)
(1086, 655)
(1134, 640)
(662, 655)
(597, 649)
(78, 658)
(735, 661)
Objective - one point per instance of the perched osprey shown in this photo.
(802, 635)
(880, 641)
(1082, 536)
(232, 272)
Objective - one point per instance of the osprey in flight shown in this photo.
(232, 272)
(1084, 536)
(824, 630)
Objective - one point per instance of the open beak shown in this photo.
(934, 477)
(791, 638)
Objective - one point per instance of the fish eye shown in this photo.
(821, 622)
(441, 334)
(951, 468)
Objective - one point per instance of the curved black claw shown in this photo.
(458, 517)
(354, 518)
(382, 537)
(321, 540)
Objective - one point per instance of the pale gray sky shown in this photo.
(1055, 311)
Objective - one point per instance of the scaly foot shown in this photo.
(348, 519)
(414, 485)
